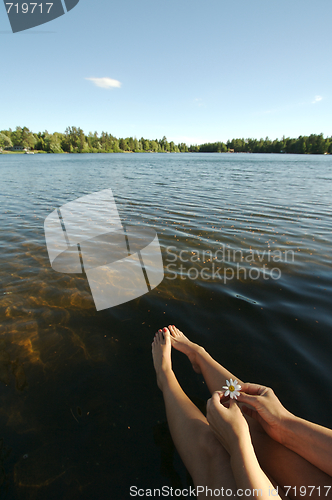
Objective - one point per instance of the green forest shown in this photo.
(74, 140)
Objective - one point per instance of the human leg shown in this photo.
(214, 374)
(202, 454)
(283, 466)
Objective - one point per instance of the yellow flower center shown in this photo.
(231, 388)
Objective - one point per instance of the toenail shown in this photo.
(165, 329)
(159, 331)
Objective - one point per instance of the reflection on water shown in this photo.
(79, 403)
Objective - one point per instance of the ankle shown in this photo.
(164, 376)
(199, 349)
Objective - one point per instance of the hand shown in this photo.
(265, 408)
(227, 422)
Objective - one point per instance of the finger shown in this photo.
(215, 403)
(230, 404)
(253, 389)
(226, 403)
(233, 405)
(247, 398)
(216, 396)
(222, 397)
(254, 401)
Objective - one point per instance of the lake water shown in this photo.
(80, 412)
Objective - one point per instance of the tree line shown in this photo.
(74, 140)
(312, 144)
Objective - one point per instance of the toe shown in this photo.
(171, 329)
(165, 333)
(175, 331)
(167, 336)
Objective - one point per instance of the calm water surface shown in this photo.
(80, 413)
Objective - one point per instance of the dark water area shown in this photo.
(80, 412)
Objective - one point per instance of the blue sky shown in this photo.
(191, 70)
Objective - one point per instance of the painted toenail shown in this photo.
(165, 329)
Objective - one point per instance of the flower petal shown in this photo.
(226, 393)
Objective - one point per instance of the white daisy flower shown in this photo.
(232, 388)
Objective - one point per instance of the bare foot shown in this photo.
(183, 344)
(161, 353)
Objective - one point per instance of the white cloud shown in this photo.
(105, 83)
(317, 99)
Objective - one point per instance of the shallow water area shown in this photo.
(80, 412)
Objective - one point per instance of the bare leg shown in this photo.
(214, 374)
(202, 454)
(282, 465)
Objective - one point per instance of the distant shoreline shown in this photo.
(74, 140)
(157, 152)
